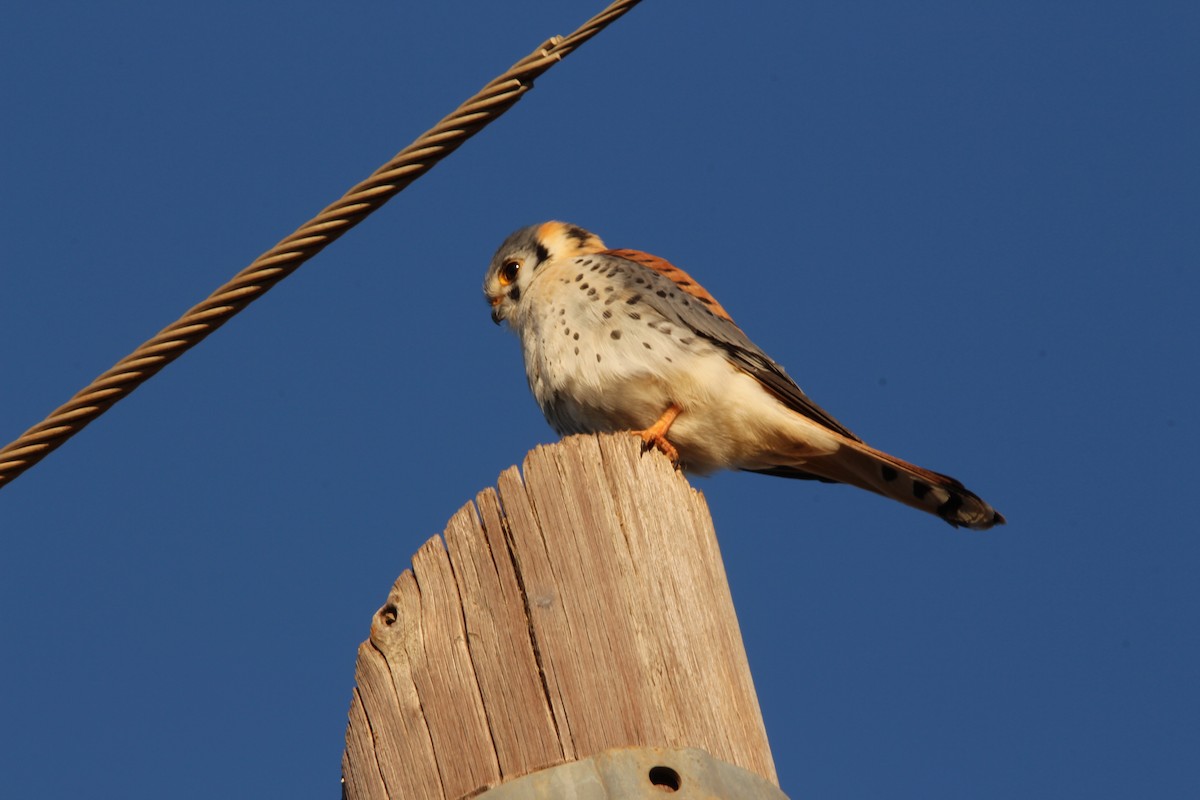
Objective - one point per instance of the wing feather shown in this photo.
(712, 322)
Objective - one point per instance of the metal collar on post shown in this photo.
(631, 773)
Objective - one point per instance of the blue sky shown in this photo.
(970, 231)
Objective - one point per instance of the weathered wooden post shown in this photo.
(581, 609)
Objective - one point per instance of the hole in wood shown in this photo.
(388, 614)
(665, 778)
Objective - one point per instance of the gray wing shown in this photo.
(672, 293)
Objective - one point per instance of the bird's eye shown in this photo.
(508, 272)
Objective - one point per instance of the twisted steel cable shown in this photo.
(284, 258)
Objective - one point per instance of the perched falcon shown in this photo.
(620, 340)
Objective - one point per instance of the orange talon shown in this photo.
(656, 434)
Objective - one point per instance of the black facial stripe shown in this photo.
(542, 254)
(515, 293)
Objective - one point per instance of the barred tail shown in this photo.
(863, 466)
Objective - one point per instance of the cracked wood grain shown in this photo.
(582, 605)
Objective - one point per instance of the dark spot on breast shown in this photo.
(576, 351)
(542, 254)
(608, 288)
(920, 489)
(639, 281)
(597, 358)
(661, 293)
(582, 286)
(686, 303)
(579, 277)
(634, 315)
(686, 340)
(633, 300)
(607, 314)
(592, 293)
(888, 473)
(648, 347)
(576, 336)
(594, 266)
(615, 333)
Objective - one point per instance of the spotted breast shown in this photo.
(622, 340)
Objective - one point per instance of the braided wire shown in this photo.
(284, 258)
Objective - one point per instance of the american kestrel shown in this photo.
(620, 340)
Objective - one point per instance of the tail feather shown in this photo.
(863, 466)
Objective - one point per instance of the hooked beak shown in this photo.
(498, 313)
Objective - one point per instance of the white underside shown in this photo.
(728, 419)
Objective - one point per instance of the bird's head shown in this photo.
(524, 254)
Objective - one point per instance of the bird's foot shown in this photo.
(660, 443)
(656, 435)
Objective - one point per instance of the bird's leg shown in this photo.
(656, 434)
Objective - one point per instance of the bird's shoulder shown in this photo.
(676, 275)
(697, 309)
